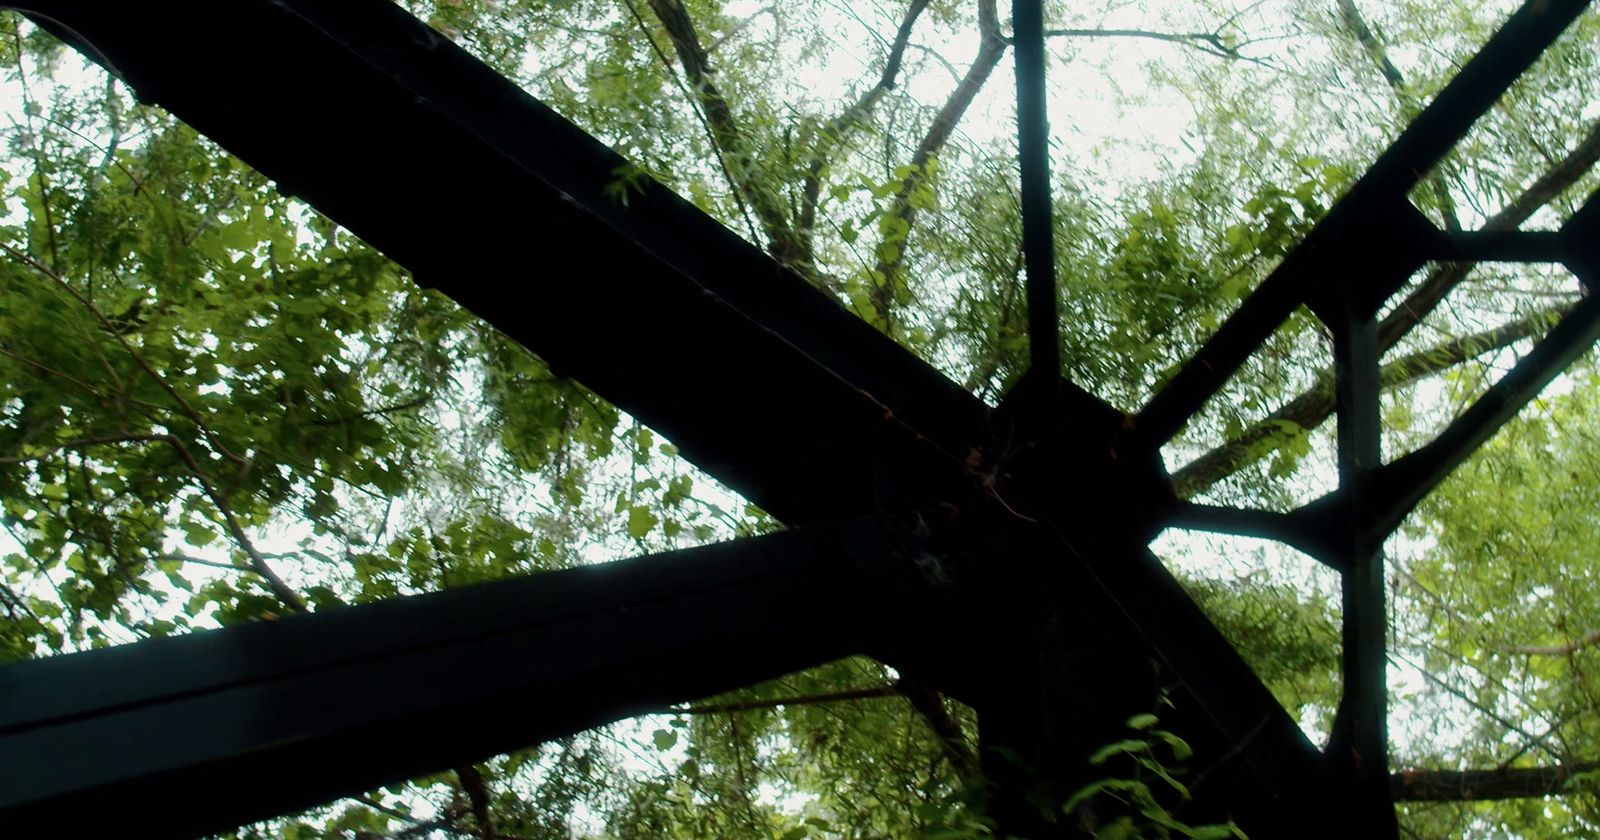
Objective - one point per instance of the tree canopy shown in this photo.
(217, 407)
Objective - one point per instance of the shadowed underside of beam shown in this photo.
(258, 720)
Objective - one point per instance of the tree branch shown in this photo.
(930, 705)
(258, 563)
(891, 252)
(138, 358)
(795, 700)
(1313, 407)
(1211, 43)
(81, 443)
(726, 134)
(1357, 26)
(832, 135)
(477, 791)
(1480, 785)
(1586, 640)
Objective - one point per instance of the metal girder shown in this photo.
(758, 378)
(494, 199)
(1359, 744)
(488, 195)
(1038, 231)
(1401, 484)
(258, 720)
(1373, 232)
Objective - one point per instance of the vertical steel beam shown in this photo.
(1359, 748)
(1038, 232)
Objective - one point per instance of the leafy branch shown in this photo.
(901, 215)
(1588, 639)
(834, 133)
(110, 328)
(727, 136)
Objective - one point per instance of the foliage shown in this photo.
(218, 407)
(1154, 758)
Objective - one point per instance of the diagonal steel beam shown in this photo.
(1373, 229)
(493, 198)
(263, 719)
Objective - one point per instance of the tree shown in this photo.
(202, 373)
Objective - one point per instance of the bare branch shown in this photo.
(1211, 43)
(1357, 26)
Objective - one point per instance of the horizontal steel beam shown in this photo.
(263, 719)
(1254, 523)
(488, 195)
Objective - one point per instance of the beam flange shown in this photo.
(263, 719)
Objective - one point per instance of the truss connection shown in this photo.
(918, 507)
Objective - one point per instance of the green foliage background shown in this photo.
(217, 407)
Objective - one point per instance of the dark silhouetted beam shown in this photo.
(1038, 232)
(1260, 524)
(1499, 246)
(182, 736)
(1407, 480)
(1373, 224)
(1359, 744)
(488, 195)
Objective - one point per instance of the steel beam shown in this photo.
(1038, 230)
(1373, 220)
(1359, 746)
(1400, 485)
(488, 195)
(493, 198)
(183, 736)
(1257, 524)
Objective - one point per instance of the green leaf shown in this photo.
(1126, 747)
(664, 739)
(641, 522)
